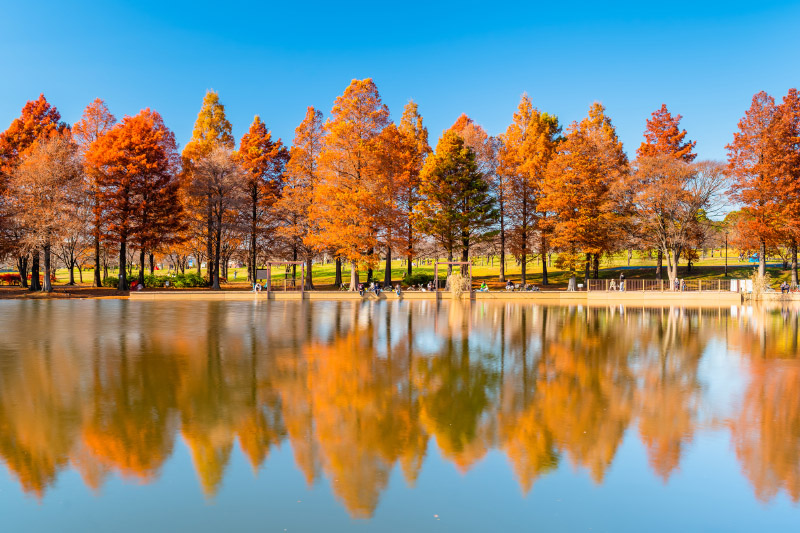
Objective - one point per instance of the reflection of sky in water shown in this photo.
(306, 416)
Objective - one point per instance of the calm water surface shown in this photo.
(397, 416)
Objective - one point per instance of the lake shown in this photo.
(397, 416)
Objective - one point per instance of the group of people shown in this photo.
(376, 288)
(621, 287)
(786, 288)
(511, 286)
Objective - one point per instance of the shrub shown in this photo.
(178, 281)
(418, 278)
(10, 277)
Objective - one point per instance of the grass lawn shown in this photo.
(640, 267)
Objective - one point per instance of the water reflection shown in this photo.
(107, 388)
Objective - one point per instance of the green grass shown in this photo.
(641, 267)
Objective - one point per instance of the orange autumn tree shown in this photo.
(211, 130)
(663, 137)
(301, 178)
(786, 147)
(411, 126)
(94, 123)
(38, 120)
(343, 206)
(668, 198)
(136, 165)
(529, 145)
(393, 163)
(45, 186)
(263, 160)
(159, 221)
(579, 190)
(753, 174)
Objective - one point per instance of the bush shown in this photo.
(418, 278)
(9, 278)
(179, 281)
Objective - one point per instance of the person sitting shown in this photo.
(397, 289)
(612, 286)
(376, 289)
(784, 287)
(484, 287)
(509, 285)
(256, 287)
(361, 289)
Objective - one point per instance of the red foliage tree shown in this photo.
(136, 164)
(38, 120)
(94, 123)
(264, 161)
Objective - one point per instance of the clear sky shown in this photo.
(705, 60)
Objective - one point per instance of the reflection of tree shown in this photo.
(669, 393)
(587, 388)
(766, 432)
(358, 390)
(364, 412)
(457, 389)
(522, 424)
(41, 406)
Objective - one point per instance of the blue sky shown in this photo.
(705, 60)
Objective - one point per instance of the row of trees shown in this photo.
(359, 188)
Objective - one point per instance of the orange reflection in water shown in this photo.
(357, 390)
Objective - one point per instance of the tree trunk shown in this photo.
(97, 281)
(35, 285)
(523, 268)
(794, 264)
(596, 266)
(353, 276)
(309, 278)
(449, 267)
(210, 241)
(294, 267)
(586, 270)
(141, 267)
(544, 260)
(251, 257)
(762, 258)
(659, 264)
(410, 252)
(80, 274)
(217, 251)
(122, 285)
(338, 279)
(22, 267)
(502, 276)
(672, 271)
(48, 286)
(152, 264)
(71, 268)
(387, 275)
